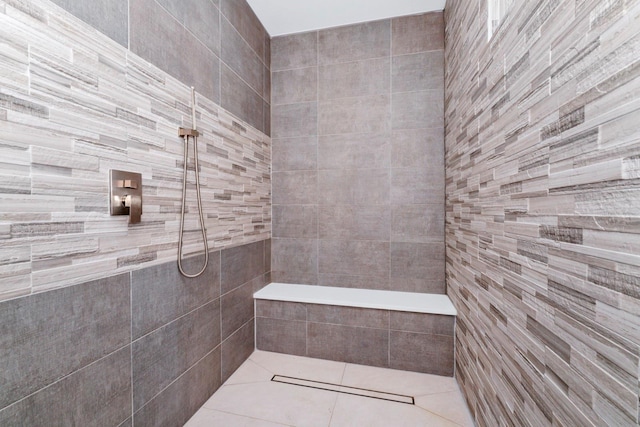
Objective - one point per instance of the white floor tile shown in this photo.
(395, 381)
(353, 411)
(448, 405)
(249, 372)
(211, 418)
(275, 402)
(249, 398)
(300, 367)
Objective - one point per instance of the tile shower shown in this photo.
(517, 156)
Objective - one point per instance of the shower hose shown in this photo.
(184, 194)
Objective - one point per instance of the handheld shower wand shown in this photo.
(185, 134)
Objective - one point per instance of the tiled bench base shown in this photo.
(329, 326)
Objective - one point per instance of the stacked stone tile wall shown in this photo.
(75, 104)
(543, 210)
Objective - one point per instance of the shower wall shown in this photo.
(358, 163)
(543, 205)
(218, 46)
(97, 327)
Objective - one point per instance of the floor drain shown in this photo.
(374, 394)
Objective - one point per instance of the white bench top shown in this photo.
(364, 298)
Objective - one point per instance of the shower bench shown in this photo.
(399, 330)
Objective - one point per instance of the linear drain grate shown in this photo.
(374, 394)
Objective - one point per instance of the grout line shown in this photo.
(390, 177)
(317, 170)
(179, 377)
(65, 377)
(131, 339)
(174, 320)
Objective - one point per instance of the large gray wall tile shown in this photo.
(419, 71)
(354, 187)
(266, 84)
(266, 117)
(436, 353)
(351, 281)
(242, 264)
(178, 402)
(202, 18)
(240, 99)
(368, 114)
(97, 395)
(417, 186)
(161, 294)
(295, 221)
(362, 222)
(364, 346)
(418, 148)
(245, 21)
(348, 316)
(291, 154)
(349, 79)
(294, 51)
(418, 33)
(267, 255)
(239, 57)
(354, 42)
(47, 336)
(237, 308)
(295, 187)
(434, 324)
(294, 120)
(353, 257)
(107, 16)
(417, 223)
(418, 260)
(283, 310)
(236, 349)
(164, 42)
(165, 354)
(354, 151)
(294, 259)
(294, 86)
(281, 336)
(412, 110)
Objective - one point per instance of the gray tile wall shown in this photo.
(220, 47)
(358, 155)
(150, 346)
(543, 211)
(364, 336)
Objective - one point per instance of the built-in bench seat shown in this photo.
(400, 330)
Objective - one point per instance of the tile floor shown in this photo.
(250, 398)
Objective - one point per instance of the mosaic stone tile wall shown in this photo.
(75, 104)
(358, 155)
(543, 210)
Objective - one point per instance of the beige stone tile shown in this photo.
(208, 417)
(249, 372)
(364, 411)
(300, 367)
(395, 381)
(449, 405)
(275, 402)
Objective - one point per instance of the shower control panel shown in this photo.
(125, 194)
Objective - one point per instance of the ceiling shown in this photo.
(281, 17)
